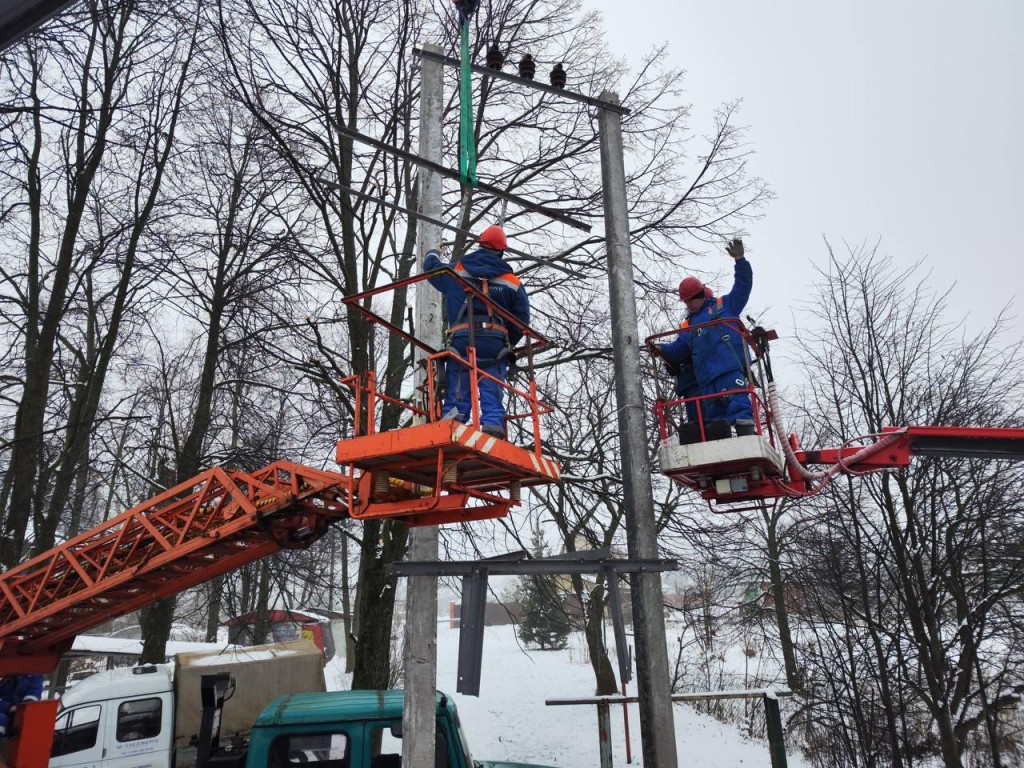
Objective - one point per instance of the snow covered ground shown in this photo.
(509, 720)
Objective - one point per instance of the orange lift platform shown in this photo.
(737, 473)
(434, 470)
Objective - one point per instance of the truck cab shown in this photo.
(118, 718)
(352, 729)
(151, 716)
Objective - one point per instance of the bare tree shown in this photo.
(108, 97)
(234, 267)
(250, 210)
(586, 507)
(913, 565)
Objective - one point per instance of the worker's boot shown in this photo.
(744, 428)
(689, 433)
(717, 430)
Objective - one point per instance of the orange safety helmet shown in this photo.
(690, 288)
(493, 238)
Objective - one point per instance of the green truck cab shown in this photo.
(352, 729)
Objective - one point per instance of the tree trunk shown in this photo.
(261, 622)
(346, 608)
(44, 323)
(383, 544)
(778, 586)
(155, 620)
(604, 674)
(214, 589)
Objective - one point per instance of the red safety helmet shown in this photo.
(691, 288)
(493, 238)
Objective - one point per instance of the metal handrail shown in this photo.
(762, 416)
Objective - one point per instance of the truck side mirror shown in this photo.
(396, 730)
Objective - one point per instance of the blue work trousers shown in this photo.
(732, 408)
(457, 379)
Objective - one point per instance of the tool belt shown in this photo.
(478, 326)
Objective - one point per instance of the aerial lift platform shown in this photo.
(433, 469)
(736, 473)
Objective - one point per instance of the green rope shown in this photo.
(467, 137)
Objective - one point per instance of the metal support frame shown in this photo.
(475, 573)
(770, 697)
(472, 619)
(776, 738)
(213, 692)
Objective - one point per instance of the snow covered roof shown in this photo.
(97, 645)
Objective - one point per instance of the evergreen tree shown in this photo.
(543, 622)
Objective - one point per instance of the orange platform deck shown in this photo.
(483, 461)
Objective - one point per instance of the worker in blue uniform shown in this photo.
(14, 690)
(686, 384)
(493, 337)
(718, 352)
(686, 387)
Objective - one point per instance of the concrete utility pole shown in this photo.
(419, 714)
(656, 717)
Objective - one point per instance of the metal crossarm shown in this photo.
(487, 189)
(534, 84)
(208, 525)
(475, 574)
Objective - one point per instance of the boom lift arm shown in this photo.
(206, 526)
(434, 472)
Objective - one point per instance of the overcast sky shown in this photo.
(899, 122)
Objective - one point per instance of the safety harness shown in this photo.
(493, 322)
(716, 313)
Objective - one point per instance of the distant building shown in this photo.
(285, 626)
(495, 614)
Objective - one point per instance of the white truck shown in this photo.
(149, 716)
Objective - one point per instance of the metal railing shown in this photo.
(773, 716)
(670, 410)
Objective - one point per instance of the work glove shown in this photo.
(735, 248)
(670, 368)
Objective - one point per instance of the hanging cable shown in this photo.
(841, 466)
(824, 476)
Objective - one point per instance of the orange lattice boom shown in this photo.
(209, 525)
(440, 470)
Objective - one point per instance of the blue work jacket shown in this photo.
(503, 288)
(719, 349)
